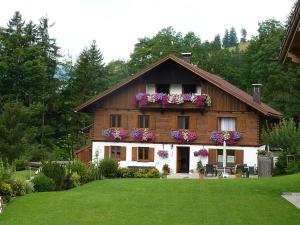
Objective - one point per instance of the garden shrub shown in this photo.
(43, 183)
(68, 182)
(81, 169)
(292, 167)
(56, 172)
(140, 173)
(20, 164)
(18, 187)
(108, 168)
(153, 173)
(5, 191)
(124, 172)
(29, 187)
(76, 179)
(6, 171)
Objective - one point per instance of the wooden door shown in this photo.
(178, 164)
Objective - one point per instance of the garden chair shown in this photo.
(210, 169)
(239, 167)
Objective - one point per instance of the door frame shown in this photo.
(179, 156)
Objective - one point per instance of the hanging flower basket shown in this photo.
(142, 134)
(143, 99)
(163, 154)
(201, 152)
(184, 136)
(114, 134)
(230, 137)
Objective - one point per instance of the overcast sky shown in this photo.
(116, 25)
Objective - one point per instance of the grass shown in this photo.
(155, 201)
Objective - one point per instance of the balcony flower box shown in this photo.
(142, 134)
(163, 154)
(144, 99)
(114, 134)
(184, 136)
(230, 137)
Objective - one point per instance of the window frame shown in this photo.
(221, 150)
(184, 87)
(116, 149)
(185, 121)
(117, 119)
(144, 119)
(166, 85)
(143, 151)
(227, 117)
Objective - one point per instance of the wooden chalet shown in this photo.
(174, 113)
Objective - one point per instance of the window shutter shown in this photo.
(174, 122)
(134, 154)
(124, 120)
(212, 123)
(123, 153)
(106, 152)
(212, 156)
(193, 123)
(239, 156)
(151, 154)
(152, 122)
(241, 124)
(107, 120)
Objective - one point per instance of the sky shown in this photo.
(116, 25)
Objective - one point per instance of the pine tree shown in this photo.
(233, 40)
(216, 43)
(225, 40)
(243, 35)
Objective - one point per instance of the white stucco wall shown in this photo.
(250, 157)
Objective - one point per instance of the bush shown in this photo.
(68, 182)
(18, 187)
(29, 187)
(6, 171)
(292, 167)
(43, 183)
(20, 164)
(140, 173)
(6, 191)
(81, 169)
(153, 173)
(55, 172)
(124, 172)
(108, 168)
(76, 179)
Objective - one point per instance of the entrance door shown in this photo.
(183, 159)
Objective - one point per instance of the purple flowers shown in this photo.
(231, 137)
(163, 154)
(115, 133)
(144, 99)
(201, 152)
(142, 134)
(184, 136)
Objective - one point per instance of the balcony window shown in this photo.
(115, 120)
(189, 89)
(143, 121)
(163, 88)
(227, 124)
(183, 122)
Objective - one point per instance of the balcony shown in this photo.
(172, 101)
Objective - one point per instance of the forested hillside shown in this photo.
(39, 88)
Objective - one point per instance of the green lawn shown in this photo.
(155, 201)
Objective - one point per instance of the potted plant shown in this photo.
(238, 173)
(166, 170)
(200, 169)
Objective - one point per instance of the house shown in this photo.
(290, 48)
(170, 111)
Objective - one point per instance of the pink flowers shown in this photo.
(163, 154)
(201, 152)
(142, 134)
(231, 137)
(144, 99)
(184, 136)
(115, 134)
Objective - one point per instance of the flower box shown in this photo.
(115, 134)
(184, 136)
(144, 99)
(230, 137)
(142, 134)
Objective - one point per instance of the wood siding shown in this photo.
(85, 154)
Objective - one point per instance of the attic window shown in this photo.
(163, 88)
(189, 88)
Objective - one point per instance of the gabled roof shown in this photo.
(290, 47)
(212, 78)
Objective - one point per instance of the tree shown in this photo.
(225, 40)
(216, 44)
(243, 35)
(233, 40)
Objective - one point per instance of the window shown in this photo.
(230, 156)
(189, 88)
(227, 124)
(163, 88)
(183, 122)
(115, 120)
(143, 121)
(115, 152)
(143, 153)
